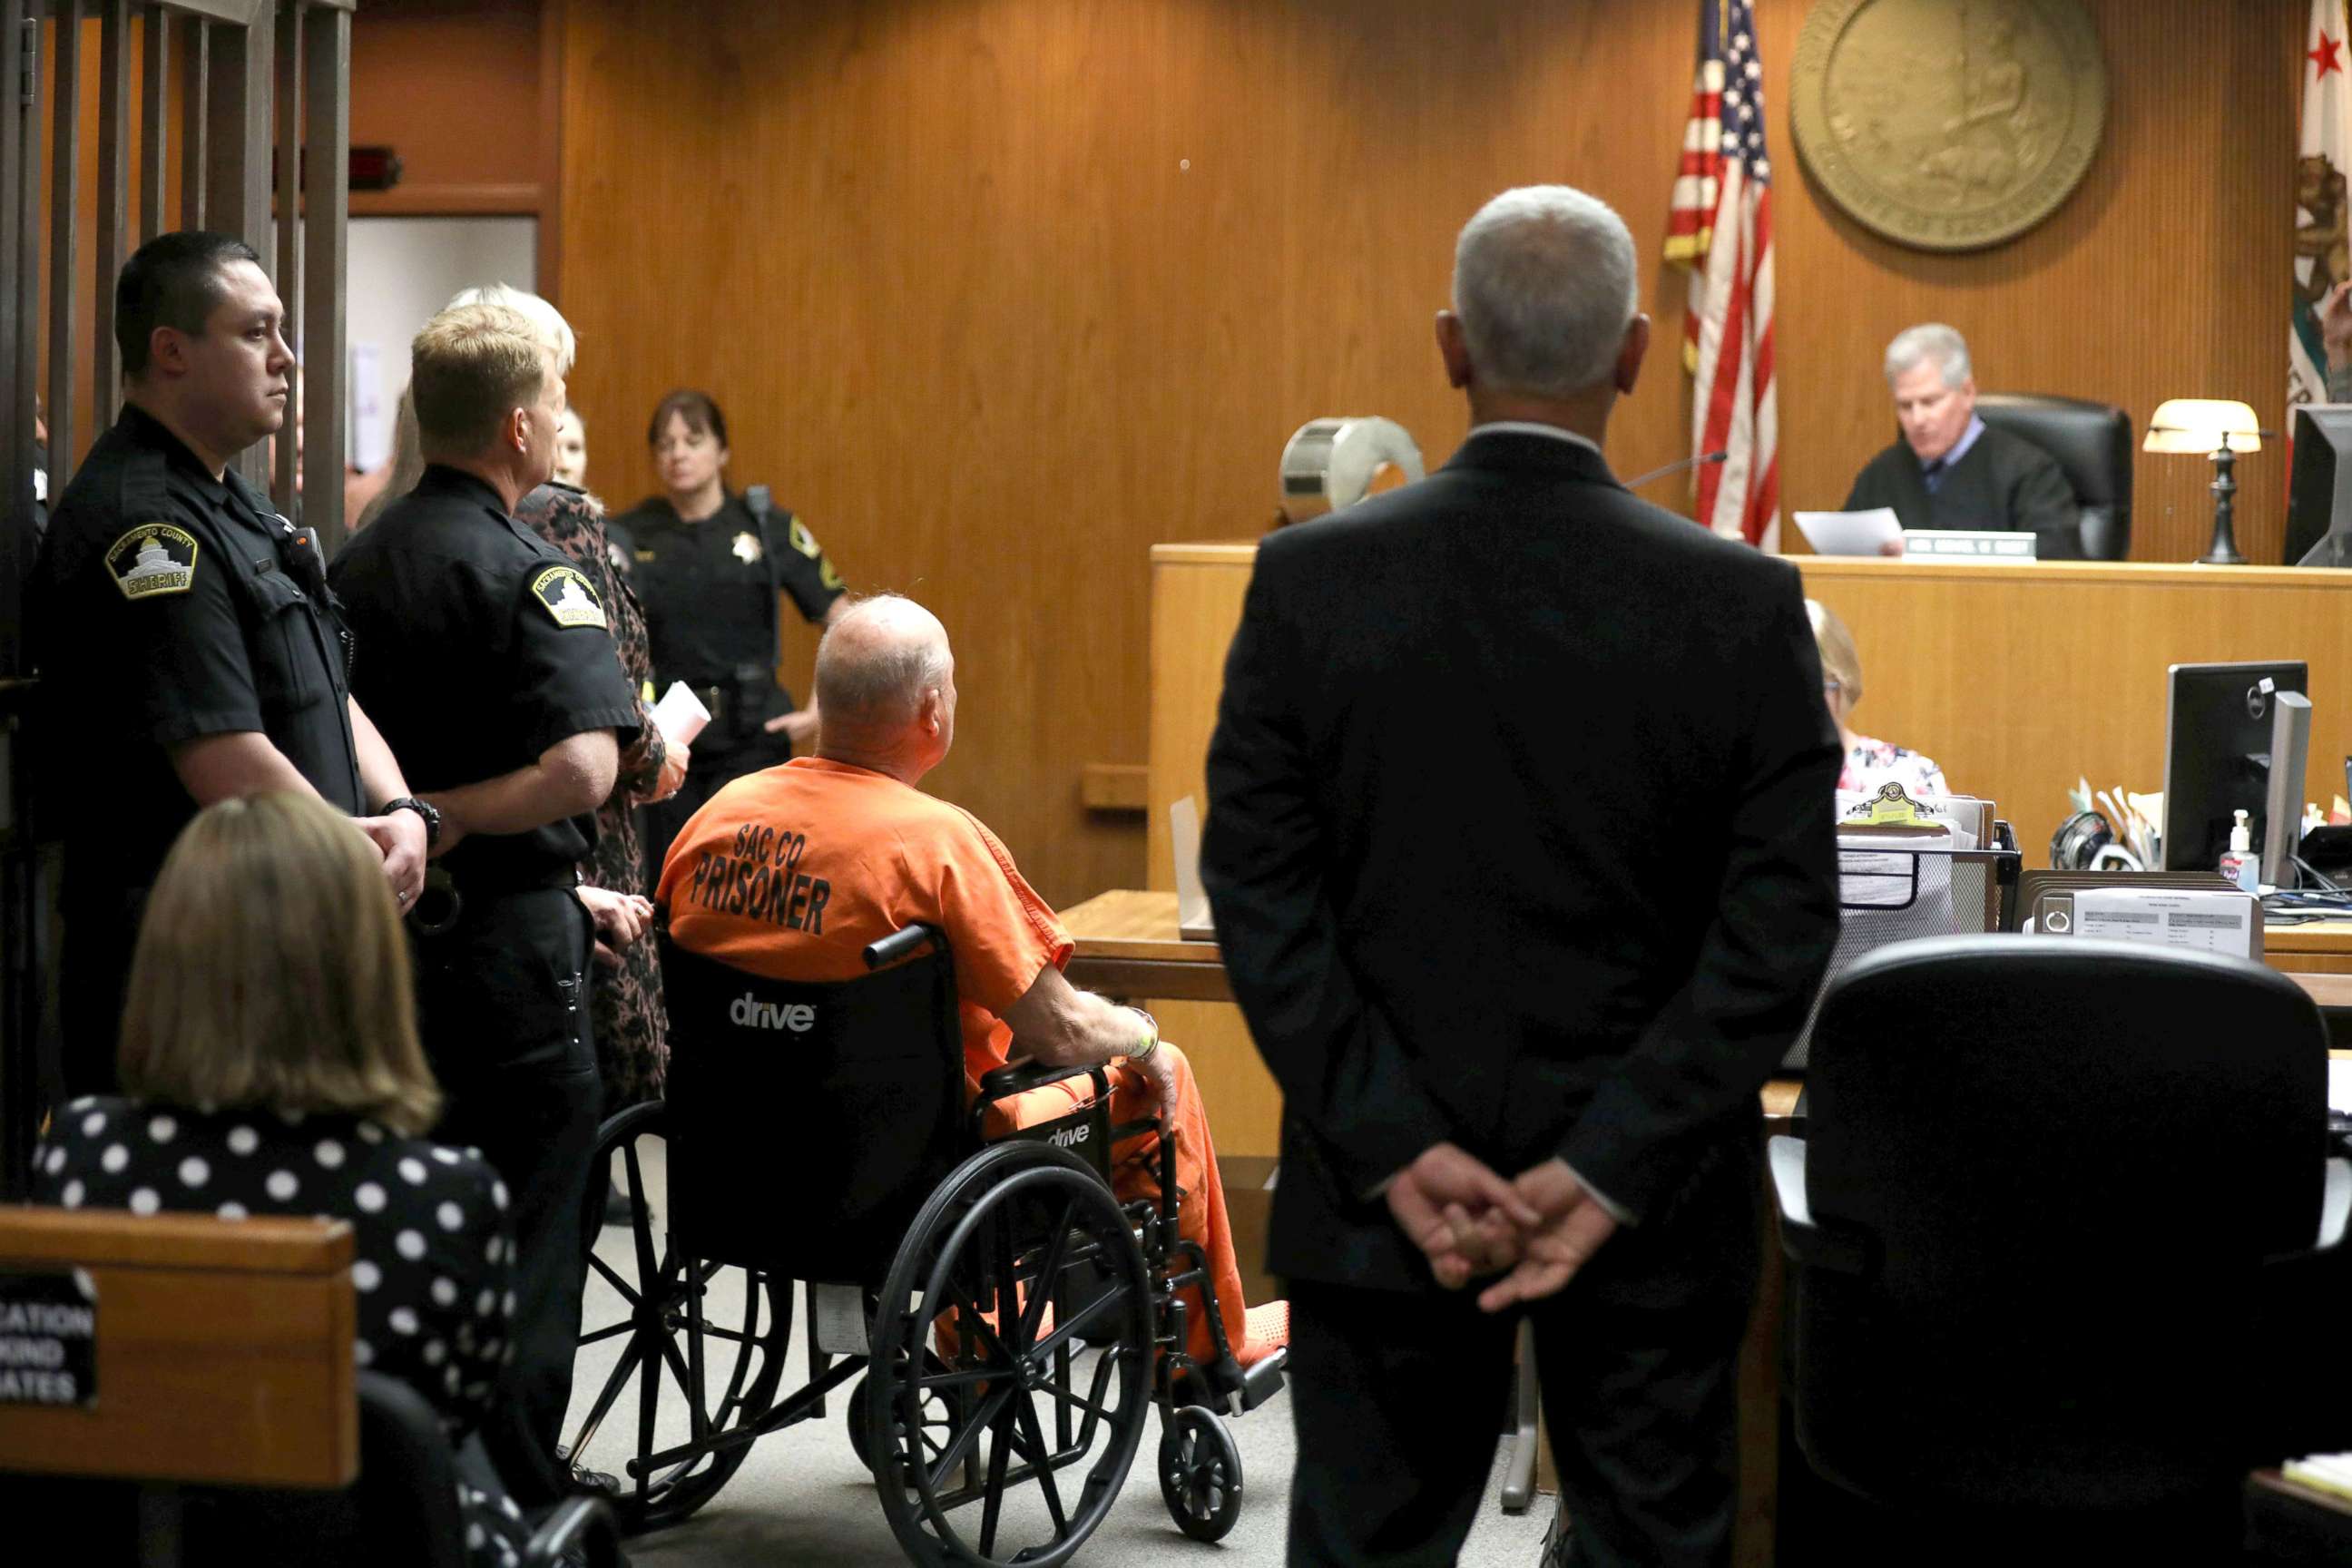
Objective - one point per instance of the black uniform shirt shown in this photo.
(482, 647)
(708, 586)
(168, 606)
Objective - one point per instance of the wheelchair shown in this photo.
(1008, 1321)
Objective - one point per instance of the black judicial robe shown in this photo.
(2002, 482)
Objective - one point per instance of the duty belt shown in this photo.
(442, 904)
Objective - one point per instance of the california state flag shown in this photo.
(2323, 245)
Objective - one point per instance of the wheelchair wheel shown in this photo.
(1200, 1473)
(940, 1407)
(648, 1302)
(990, 1269)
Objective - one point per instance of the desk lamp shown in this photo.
(2224, 428)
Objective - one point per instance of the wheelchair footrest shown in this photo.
(1264, 1381)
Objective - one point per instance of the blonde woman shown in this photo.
(1868, 762)
(271, 1066)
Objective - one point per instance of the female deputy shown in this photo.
(713, 568)
(1868, 763)
(271, 1066)
(632, 1028)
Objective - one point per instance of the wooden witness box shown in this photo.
(224, 1350)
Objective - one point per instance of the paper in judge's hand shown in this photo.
(1850, 532)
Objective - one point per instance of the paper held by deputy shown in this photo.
(680, 714)
(1850, 532)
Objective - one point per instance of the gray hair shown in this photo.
(1545, 284)
(1930, 341)
(876, 661)
(547, 324)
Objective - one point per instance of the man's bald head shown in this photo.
(885, 683)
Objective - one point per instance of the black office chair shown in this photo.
(2064, 1236)
(2092, 445)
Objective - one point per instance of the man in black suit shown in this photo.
(1521, 852)
(1951, 469)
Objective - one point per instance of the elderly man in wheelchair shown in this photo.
(1000, 1189)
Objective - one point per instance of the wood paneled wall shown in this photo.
(998, 293)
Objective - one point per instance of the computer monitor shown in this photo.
(2319, 486)
(2217, 756)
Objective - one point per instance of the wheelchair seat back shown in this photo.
(809, 1121)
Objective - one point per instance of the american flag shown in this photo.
(1720, 229)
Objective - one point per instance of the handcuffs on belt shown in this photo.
(441, 897)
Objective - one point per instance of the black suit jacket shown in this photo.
(1519, 835)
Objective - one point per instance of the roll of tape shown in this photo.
(1330, 464)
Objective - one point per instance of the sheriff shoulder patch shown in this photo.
(567, 598)
(805, 543)
(152, 558)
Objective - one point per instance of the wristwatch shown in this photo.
(432, 818)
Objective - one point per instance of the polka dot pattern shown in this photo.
(433, 1273)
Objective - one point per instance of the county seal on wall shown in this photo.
(1948, 124)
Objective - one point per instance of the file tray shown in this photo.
(2041, 894)
(2047, 897)
(1895, 894)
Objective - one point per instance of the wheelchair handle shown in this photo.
(886, 950)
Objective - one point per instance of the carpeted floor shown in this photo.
(802, 1499)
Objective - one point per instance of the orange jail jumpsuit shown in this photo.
(791, 871)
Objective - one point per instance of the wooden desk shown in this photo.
(2016, 679)
(1129, 947)
(2323, 947)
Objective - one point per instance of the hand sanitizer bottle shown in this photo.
(2241, 865)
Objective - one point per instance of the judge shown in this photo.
(1951, 469)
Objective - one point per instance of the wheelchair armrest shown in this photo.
(1831, 1246)
(582, 1521)
(1020, 1078)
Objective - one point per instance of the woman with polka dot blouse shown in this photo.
(270, 1056)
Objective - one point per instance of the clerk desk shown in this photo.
(2017, 678)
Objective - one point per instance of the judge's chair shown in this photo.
(1014, 1323)
(2092, 443)
(2066, 1246)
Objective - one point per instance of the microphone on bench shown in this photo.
(1676, 469)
